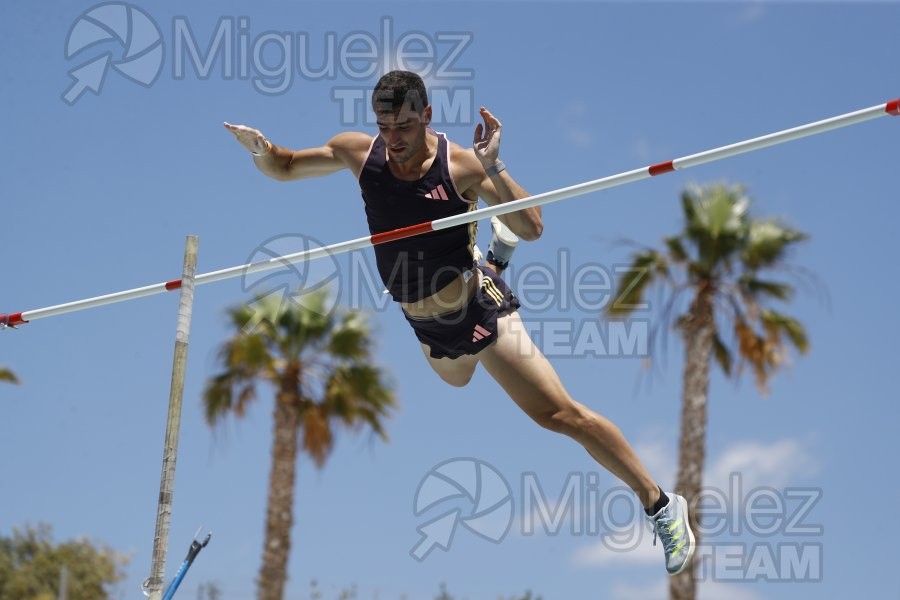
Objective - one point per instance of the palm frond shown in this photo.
(247, 355)
(753, 286)
(767, 242)
(8, 376)
(759, 351)
(677, 251)
(358, 394)
(317, 436)
(722, 354)
(715, 223)
(776, 323)
(721, 211)
(219, 398)
(351, 338)
(688, 204)
(646, 267)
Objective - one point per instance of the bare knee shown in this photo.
(568, 420)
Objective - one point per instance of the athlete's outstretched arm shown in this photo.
(497, 185)
(343, 151)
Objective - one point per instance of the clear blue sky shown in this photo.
(99, 194)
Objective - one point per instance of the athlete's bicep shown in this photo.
(312, 162)
(343, 151)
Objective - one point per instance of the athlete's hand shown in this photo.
(487, 138)
(251, 139)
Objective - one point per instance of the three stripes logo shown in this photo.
(480, 333)
(437, 193)
(491, 290)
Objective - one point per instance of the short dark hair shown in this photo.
(397, 89)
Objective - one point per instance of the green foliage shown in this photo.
(646, 268)
(31, 566)
(326, 356)
(8, 376)
(718, 258)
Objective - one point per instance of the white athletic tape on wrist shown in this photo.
(495, 168)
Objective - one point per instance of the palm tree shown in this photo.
(712, 271)
(319, 364)
(8, 376)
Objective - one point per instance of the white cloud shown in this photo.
(772, 464)
(639, 551)
(759, 464)
(660, 458)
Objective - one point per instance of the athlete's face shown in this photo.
(404, 132)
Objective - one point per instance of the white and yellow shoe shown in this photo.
(671, 526)
(503, 243)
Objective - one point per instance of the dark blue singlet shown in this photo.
(416, 267)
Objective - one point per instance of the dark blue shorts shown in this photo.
(472, 328)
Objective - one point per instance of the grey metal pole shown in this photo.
(153, 585)
(63, 583)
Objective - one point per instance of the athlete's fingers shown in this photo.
(489, 118)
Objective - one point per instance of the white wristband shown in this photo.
(495, 168)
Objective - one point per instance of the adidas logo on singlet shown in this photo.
(437, 193)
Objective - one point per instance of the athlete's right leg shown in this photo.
(455, 371)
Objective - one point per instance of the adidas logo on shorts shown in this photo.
(480, 333)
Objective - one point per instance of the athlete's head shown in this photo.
(397, 90)
(402, 111)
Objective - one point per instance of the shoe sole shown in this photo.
(693, 543)
(503, 233)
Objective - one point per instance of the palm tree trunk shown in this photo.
(280, 508)
(698, 333)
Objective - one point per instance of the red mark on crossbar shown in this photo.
(660, 168)
(12, 320)
(173, 285)
(399, 234)
(893, 107)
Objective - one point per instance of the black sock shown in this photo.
(660, 504)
